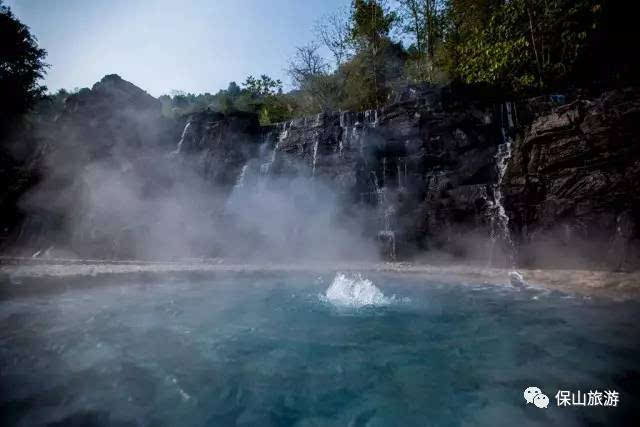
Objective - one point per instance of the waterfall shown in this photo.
(345, 132)
(379, 191)
(386, 235)
(316, 143)
(283, 135)
(371, 117)
(351, 132)
(352, 125)
(384, 171)
(405, 171)
(265, 168)
(184, 134)
(240, 180)
(508, 108)
(389, 237)
(388, 213)
(499, 220)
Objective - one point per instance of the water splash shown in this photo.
(355, 292)
(517, 280)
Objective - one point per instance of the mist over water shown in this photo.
(418, 180)
(166, 204)
(392, 240)
(299, 349)
(297, 219)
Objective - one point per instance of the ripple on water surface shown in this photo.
(295, 349)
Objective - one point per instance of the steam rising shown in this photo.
(116, 199)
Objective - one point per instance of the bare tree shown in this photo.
(305, 64)
(334, 32)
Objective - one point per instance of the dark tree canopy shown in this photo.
(21, 67)
(370, 21)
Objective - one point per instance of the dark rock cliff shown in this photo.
(433, 176)
(113, 126)
(571, 189)
(423, 168)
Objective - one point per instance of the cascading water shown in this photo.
(346, 133)
(499, 220)
(378, 190)
(386, 235)
(384, 171)
(389, 236)
(265, 168)
(182, 137)
(509, 112)
(371, 117)
(399, 174)
(315, 154)
(351, 132)
(240, 180)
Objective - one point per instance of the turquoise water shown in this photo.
(308, 350)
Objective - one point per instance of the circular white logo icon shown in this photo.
(534, 395)
(541, 400)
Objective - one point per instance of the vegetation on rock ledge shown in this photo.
(506, 48)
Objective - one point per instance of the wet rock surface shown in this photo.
(422, 170)
(571, 188)
(432, 176)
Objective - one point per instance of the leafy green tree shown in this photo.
(371, 22)
(233, 90)
(366, 77)
(262, 86)
(423, 21)
(518, 45)
(321, 92)
(264, 96)
(277, 108)
(21, 68)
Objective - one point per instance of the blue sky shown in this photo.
(164, 45)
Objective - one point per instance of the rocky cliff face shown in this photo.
(422, 170)
(430, 176)
(114, 126)
(571, 189)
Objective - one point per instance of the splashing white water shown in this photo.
(517, 280)
(355, 292)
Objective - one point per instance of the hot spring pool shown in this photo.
(309, 350)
